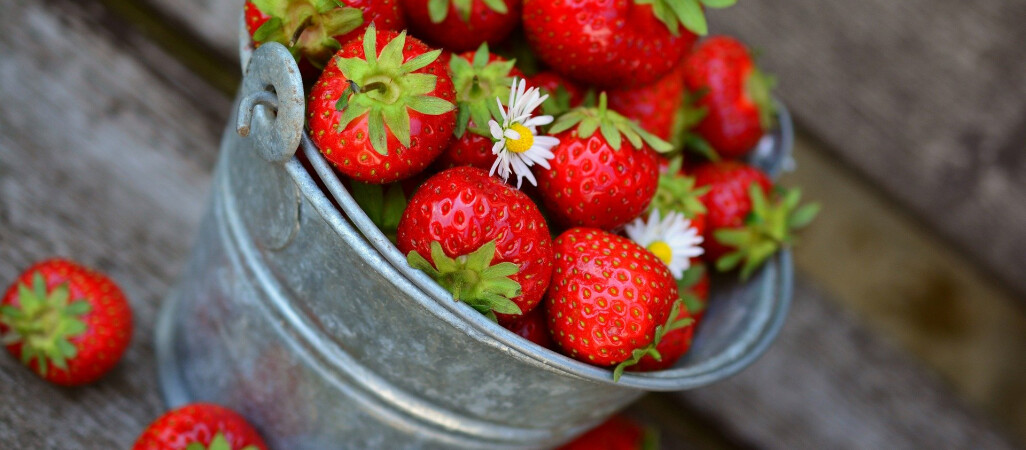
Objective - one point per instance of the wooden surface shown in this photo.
(106, 144)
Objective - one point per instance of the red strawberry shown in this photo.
(745, 224)
(311, 29)
(207, 425)
(613, 43)
(382, 117)
(657, 106)
(68, 323)
(480, 78)
(737, 103)
(496, 235)
(617, 433)
(592, 181)
(609, 299)
(563, 94)
(461, 25)
(678, 192)
(534, 327)
(694, 292)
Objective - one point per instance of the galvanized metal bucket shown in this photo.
(297, 312)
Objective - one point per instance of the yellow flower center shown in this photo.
(662, 251)
(522, 144)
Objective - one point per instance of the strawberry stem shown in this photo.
(472, 278)
(44, 322)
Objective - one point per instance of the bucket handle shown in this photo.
(272, 106)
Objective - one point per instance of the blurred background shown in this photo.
(908, 326)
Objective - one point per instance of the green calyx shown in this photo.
(44, 323)
(478, 84)
(438, 10)
(689, 13)
(758, 86)
(768, 227)
(672, 323)
(218, 443)
(472, 279)
(383, 204)
(688, 117)
(611, 124)
(385, 88)
(678, 193)
(558, 102)
(685, 284)
(307, 27)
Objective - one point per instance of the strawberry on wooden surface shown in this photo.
(610, 299)
(594, 180)
(68, 323)
(382, 117)
(200, 426)
(480, 78)
(482, 240)
(461, 25)
(734, 94)
(614, 43)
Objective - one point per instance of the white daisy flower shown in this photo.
(517, 143)
(672, 239)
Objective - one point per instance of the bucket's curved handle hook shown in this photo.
(272, 106)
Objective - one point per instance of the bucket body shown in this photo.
(298, 314)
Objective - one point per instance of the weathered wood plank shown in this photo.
(922, 96)
(828, 383)
(945, 310)
(104, 157)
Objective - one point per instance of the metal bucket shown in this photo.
(297, 312)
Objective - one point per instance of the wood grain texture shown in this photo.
(828, 383)
(104, 157)
(925, 97)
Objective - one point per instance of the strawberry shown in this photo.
(657, 106)
(534, 327)
(694, 292)
(307, 27)
(735, 95)
(593, 182)
(480, 78)
(461, 25)
(614, 43)
(200, 426)
(609, 300)
(617, 433)
(748, 221)
(482, 240)
(380, 118)
(563, 94)
(68, 323)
